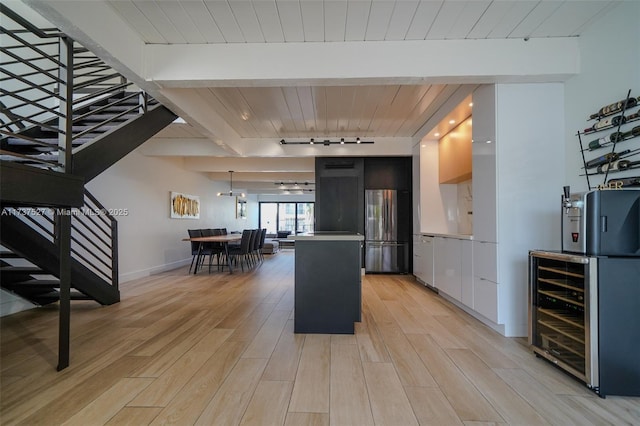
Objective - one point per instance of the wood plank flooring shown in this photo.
(219, 349)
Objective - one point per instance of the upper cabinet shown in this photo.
(454, 154)
(484, 164)
(339, 194)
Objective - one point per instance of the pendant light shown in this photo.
(230, 193)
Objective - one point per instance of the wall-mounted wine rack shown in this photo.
(618, 119)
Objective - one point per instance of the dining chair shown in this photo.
(241, 252)
(211, 249)
(252, 244)
(263, 236)
(195, 248)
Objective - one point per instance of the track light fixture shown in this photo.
(325, 142)
(282, 184)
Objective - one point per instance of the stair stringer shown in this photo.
(21, 238)
(95, 157)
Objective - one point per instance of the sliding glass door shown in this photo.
(281, 216)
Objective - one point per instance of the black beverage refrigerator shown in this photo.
(584, 310)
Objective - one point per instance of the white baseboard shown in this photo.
(153, 270)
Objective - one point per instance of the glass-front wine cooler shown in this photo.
(563, 312)
(584, 316)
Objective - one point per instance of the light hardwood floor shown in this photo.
(219, 349)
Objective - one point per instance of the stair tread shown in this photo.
(52, 141)
(103, 117)
(22, 270)
(111, 108)
(35, 284)
(5, 254)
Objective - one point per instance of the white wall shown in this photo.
(610, 66)
(149, 240)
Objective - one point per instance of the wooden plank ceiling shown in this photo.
(338, 110)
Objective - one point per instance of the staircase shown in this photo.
(65, 117)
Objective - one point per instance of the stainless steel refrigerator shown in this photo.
(385, 251)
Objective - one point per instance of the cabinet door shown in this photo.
(485, 262)
(439, 262)
(484, 191)
(467, 273)
(451, 268)
(485, 298)
(484, 163)
(418, 262)
(427, 258)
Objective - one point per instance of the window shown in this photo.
(283, 216)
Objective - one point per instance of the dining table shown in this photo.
(224, 239)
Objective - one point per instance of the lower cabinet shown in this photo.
(418, 261)
(466, 278)
(423, 258)
(485, 279)
(427, 258)
(485, 298)
(448, 266)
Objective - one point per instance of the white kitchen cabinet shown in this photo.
(418, 262)
(427, 258)
(515, 201)
(485, 279)
(485, 261)
(439, 258)
(423, 258)
(466, 278)
(484, 164)
(448, 266)
(485, 298)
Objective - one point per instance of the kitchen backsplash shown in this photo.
(465, 207)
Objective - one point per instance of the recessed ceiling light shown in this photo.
(452, 121)
(488, 141)
(436, 134)
(470, 104)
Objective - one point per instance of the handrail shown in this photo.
(28, 26)
(93, 235)
(34, 90)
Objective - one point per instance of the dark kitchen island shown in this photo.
(328, 279)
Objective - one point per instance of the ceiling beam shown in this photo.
(371, 62)
(268, 177)
(250, 164)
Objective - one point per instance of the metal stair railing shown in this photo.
(45, 79)
(94, 234)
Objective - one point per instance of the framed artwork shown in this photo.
(185, 206)
(241, 208)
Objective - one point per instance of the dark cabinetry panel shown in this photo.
(339, 194)
(387, 173)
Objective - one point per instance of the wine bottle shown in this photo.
(610, 121)
(614, 166)
(614, 107)
(630, 134)
(604, 159)
(612, 138)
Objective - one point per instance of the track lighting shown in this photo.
(325, 142)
